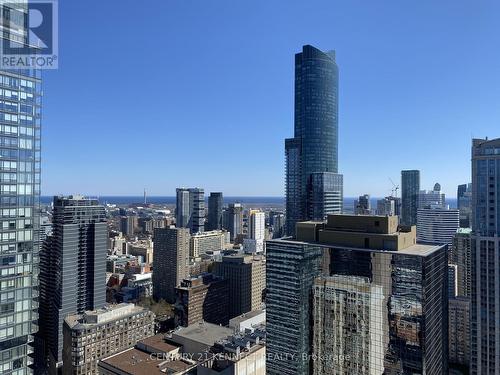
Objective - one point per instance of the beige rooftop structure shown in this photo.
(197, 338)
(355, 231)
(249, 320)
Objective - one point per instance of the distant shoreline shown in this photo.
(246, 200)
(131, 199)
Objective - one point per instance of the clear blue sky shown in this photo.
(165, 93)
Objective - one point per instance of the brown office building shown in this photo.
(204, 298)
(246, 275)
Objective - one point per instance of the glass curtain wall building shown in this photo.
(485, 246)
(326, 195)
(356, 295)
(215, 205)
(20, 120)
(190, 209)
(73, 272)
(291, 267)
(464, 204)
(314, 147)
(410, 188)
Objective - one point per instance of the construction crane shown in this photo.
(395, 188)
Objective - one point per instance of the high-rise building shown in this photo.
(197, 205)
(386, 207)
(20, 118)
(170, 261)
(485, 326)
(45, 229)
(146, 224)
(215, 204)
(234, 219)
(256, 231)
(256, 224)
(190, 209)
(461, 190)
(397, 205)
(326, 195)
(314, 147)
(288, 304)
(93, 335)
(460, 254)
(128, 225)
(389, 206)
(432, 198)
(277, 223)
(73, 272)
(182, 209)
(247, 280)
(410, 187)
(201, 243)
(294, 204)
(348, 310)
(362, 205)
(459, 331)
(452, 281)
(437, 225)
(202, 299)
(356, 295)
(464, 204)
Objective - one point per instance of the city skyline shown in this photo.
(246, 98)
(329, 267)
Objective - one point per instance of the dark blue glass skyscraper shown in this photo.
(215, 204)
(314, 148)
(410, 187)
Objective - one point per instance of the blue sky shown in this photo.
(165, 93)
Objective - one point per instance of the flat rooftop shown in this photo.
(204, 333)
(133, 361)
(136, 362)
(103, 315)
(417, 249)
(246, 316)
(158, 344)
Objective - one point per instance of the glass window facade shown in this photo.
(410, 188)
(190, 209)
(356, 311)
(215, 205)
(290, 271)
(295, 206)
(73, 261)
(19, 220)
(314, 147)
(485, 257)
(326, 195)
(20, 108)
